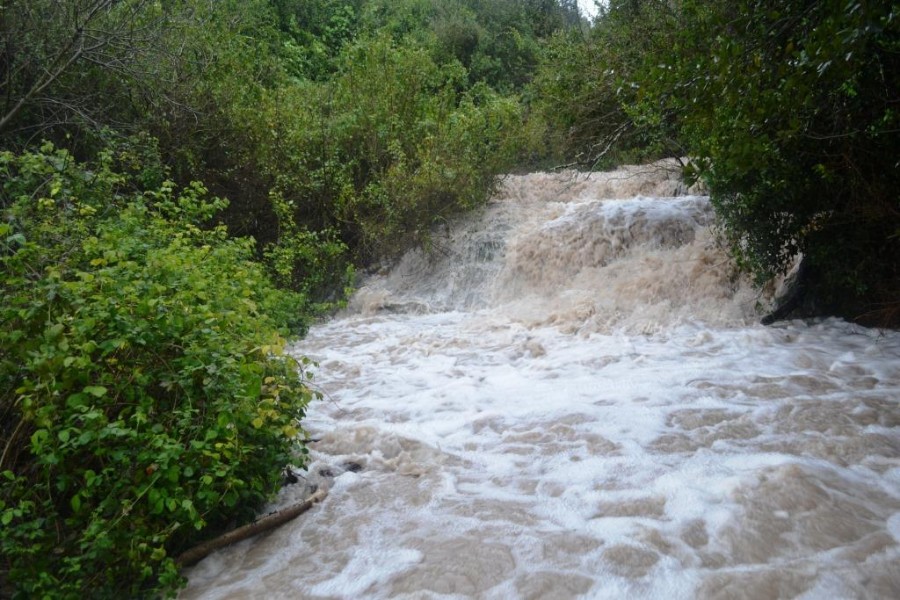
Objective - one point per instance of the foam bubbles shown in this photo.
(624, 430)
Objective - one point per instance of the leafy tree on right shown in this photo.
(790, 111)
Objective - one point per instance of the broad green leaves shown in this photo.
(144, 392)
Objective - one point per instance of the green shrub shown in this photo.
(587, 82)
(313, 263)
(790, 110)
(387, 148)
(145, 401)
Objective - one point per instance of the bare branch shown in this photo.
(110, 34)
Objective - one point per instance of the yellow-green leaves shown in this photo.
(143, 376)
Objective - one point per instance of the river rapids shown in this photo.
(570, 396)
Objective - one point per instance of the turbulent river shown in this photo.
(570, 397)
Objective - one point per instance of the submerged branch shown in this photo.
(270, 521)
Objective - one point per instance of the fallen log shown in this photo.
(270, 521)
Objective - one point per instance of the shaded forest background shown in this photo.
(185, 183)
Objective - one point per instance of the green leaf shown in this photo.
(17, 239)
(76, 401)
(38, 439)
(95, 390)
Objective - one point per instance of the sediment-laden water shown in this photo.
(571, 398)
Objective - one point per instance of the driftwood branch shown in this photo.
(270, 521)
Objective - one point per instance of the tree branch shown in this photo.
(270, 521)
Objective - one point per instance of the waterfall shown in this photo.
(589, 252)
(569, 396)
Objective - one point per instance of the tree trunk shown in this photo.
(270, 521)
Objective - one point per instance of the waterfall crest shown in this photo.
(587, 252)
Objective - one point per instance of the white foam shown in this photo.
(639, 444)
(366, 569)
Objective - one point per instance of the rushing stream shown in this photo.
(572, 398)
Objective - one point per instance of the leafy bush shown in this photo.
(587, 83)
(315, 31)
(788, 111)
(360, 115)
(387, 148)
(312, 263)
(145, 401)
(791, 112)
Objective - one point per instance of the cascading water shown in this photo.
(570, 397)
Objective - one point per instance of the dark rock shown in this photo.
(288, 477)
(791, 303)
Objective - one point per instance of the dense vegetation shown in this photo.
(789, 112)
(145, 400)
(144, 392)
